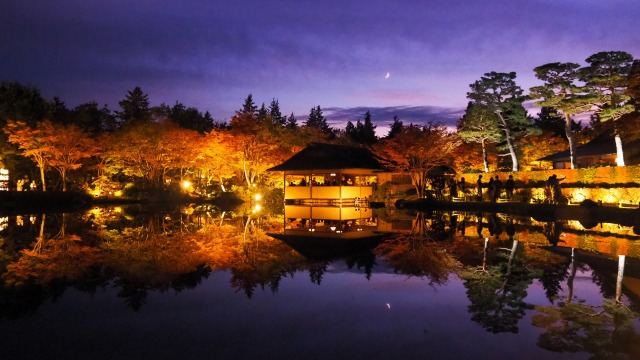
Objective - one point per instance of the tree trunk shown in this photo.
(619, 151)
(44, 184)
(485, 161)
(63, 175)
(572, 276)
(418, 184)
(621, 259)
(571, 138)
(512, 151)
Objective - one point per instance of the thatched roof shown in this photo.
(319, 156)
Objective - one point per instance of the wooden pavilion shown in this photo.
(327, 191)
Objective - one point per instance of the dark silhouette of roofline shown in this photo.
(322, 156)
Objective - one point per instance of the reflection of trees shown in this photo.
(54, 258)
(261, 260)
(553, 230)
(497, 293)
(417, 256)
(605, 331)
(159, 253)
(435, 225)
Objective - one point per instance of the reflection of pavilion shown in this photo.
(327, 191)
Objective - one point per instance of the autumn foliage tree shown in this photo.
(31, 142)
(417, 149)
(69, 147)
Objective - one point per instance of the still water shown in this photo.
(198, 283)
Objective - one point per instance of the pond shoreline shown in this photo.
(20, 202)
(589, 214)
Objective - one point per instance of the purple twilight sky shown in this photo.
(333, 53)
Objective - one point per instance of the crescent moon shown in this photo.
(387, 76)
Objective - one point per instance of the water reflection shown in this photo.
(508, 266)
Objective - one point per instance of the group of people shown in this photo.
(552, 190)
(495, 186)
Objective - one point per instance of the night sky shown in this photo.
(333, 53)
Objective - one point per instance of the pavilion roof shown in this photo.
(320, 156)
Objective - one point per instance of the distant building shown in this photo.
(600, 151)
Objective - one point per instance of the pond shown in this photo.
(199, 283)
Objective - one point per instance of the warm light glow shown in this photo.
(333, 228)
(186, 184)
(578, 196)
(117, 193)
(256, 208)
(610, 198)
(257, 197)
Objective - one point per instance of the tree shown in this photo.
(418, 149)
(58, 112)
(367, 133)
(20, 102)
(500, 94)
(249, 108)
(317, 121)
(69, 146)
(52, 145)
(191, 118)
(607, 78)
(217, 156)
(351, 131)
(395, 128)
(560, 92)
(479, 125)
(551, 121)
(135, 108)
(633, 87)
(292, 122)
(31, 142)
(92, 119)
(263, 115)
(276, 114)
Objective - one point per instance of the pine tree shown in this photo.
(135, 108)
(395, 128)
(276, 115)
(499, 93)
(249, 107)
(318, 121)
(263, 114)
(607, 78)
(479, 125)
(368, 132)
(561, 92)
(292, 122)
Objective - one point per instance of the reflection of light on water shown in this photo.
(4, 222)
